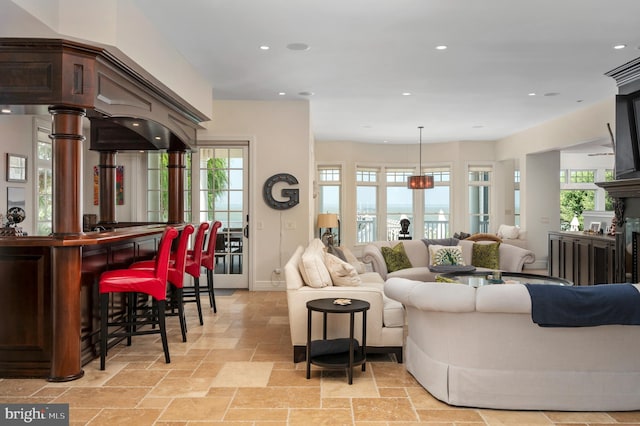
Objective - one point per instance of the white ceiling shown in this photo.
(365, 53)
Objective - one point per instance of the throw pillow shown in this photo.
(312, 268)
(336, 252)
(395, 257)
(353, 260)
(483, 236)
(509, 232)
(486, 255)
(342, 273)
(445, 255)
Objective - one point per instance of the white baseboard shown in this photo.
(269, 286)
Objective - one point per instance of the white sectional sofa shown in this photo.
(479, 347)
(512, 258)
(385, 318)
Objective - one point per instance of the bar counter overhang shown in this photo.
(48, 291)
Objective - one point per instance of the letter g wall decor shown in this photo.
(292, 195)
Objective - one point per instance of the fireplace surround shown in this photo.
(625, 190)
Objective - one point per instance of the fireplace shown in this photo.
(625, 190)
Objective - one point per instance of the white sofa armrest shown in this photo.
(373, 255)
(513, 258)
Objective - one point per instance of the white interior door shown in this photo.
(223, 197)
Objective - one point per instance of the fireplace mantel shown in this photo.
(622, 188)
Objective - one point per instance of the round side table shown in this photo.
(337, 353)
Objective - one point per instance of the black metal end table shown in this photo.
(337, 353)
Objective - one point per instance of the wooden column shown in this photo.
(176, 168)
(67, 139)
(107, 186)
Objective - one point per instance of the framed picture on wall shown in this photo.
(594, 227)
(16, 168)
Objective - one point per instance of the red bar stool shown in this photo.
(209, 261)
(133, 281)
(192, 267)
(175, 275)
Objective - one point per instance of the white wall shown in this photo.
(17, 138)
(279, 142)
(541, 182)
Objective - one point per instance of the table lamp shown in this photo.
(327, 221)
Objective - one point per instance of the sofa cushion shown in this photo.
(392, 310)
(312, 267)
(341, 272)
(486, 255)
(418, 273)
(445, 255)
(395, 257)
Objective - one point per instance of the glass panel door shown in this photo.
(223, 197)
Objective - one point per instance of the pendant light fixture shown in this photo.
(421, 181)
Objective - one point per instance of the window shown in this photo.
(366, 204)
(44, 222)
(579, 193)
(572, 203)
(188, 216)
(516, 197)
(399, 200)
(582, 176)
(329, 193)
(563, 176)
(437, 204)
(608, 201)
(329, 179)
(479, 178)
(158, 187)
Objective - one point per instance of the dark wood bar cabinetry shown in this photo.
(585, 259)
(27, 310)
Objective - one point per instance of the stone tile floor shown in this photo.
(237, 369)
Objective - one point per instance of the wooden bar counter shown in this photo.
(29, 314)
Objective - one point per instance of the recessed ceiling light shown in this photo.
(6, 110)
(305, 93)
(157, 138)
(282, 93)
(619, 46)
(135, 124)
(579, 100)
(406, 93)
(551, 94)
(264, 47)
(298, 46)
(441, 47)
(532, 94)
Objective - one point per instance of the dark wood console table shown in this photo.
(585, 259)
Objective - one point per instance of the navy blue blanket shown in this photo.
(560, 306)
